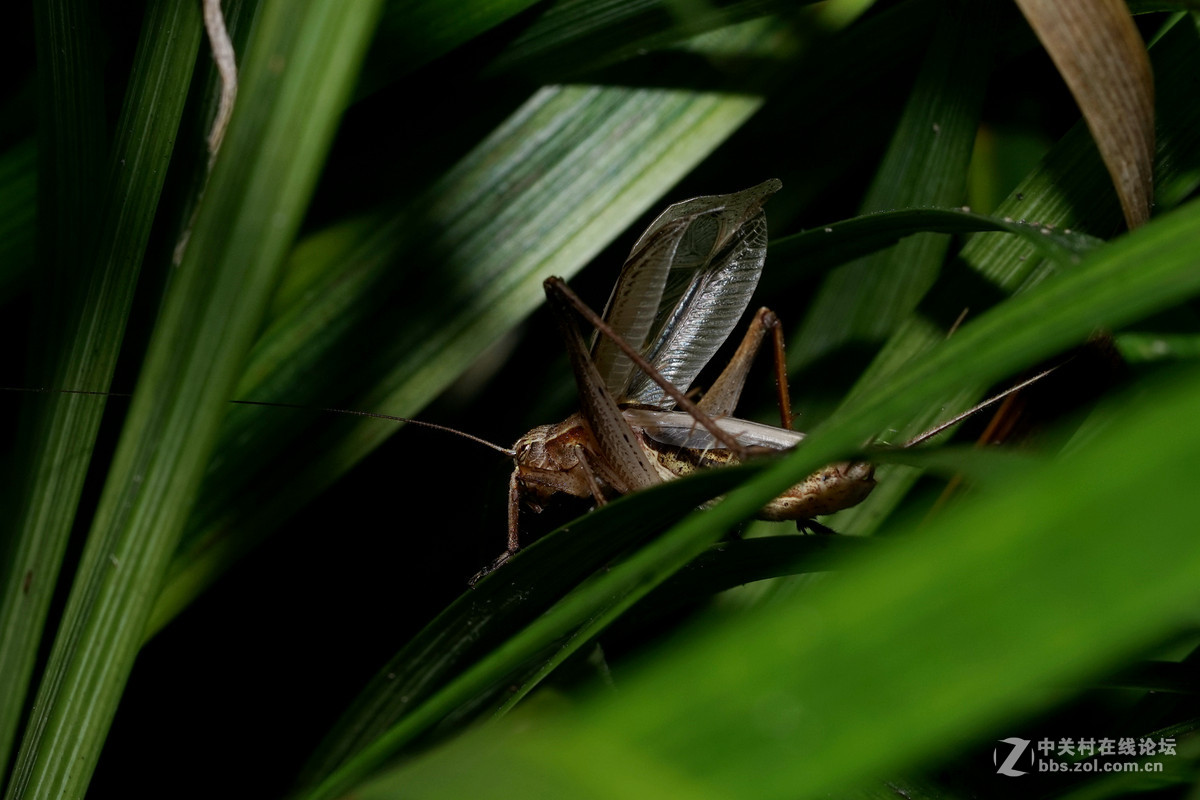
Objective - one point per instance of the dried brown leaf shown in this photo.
(1103, 60)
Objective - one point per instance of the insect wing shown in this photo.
(683, 290)
(634, 304)
(679, 429)
(603, 417)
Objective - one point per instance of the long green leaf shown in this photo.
(250, 212)
(852, 238)
(57, 436)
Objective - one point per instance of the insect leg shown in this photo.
(600, 410)
(781, 377)
(514, 513)
(590, 476)
(562, 297)
(514, 540)
(722, 398)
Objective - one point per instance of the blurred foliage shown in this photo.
(397, 180)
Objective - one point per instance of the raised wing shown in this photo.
(682, 291)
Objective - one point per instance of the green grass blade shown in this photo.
(250, 212)
(106, 278)
(70, 157)
(853, 238)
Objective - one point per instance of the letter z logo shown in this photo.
(1018, 748)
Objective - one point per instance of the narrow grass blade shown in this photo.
(853, 238)
(70, 159)
(250, 212)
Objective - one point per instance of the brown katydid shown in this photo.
(684, 287)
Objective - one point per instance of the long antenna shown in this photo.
(348, 411)
(934, 431)
(351, 412)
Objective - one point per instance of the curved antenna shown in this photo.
(934, 431)
(351, 412)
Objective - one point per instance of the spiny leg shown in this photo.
(722, 398)
(514, 537)
(784, 394)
